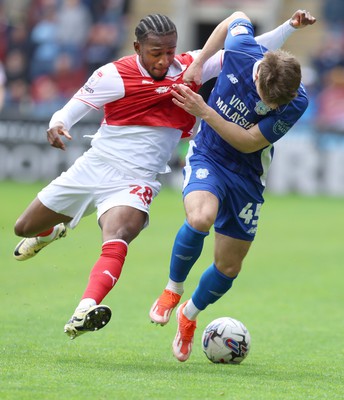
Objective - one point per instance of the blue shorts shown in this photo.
(240, 198)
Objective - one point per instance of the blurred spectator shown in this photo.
(329, 56)
(4, 24)
(16, 65)
(45, 46)
(46, 97)
(73, 24)
(102, 46)
(330, 110)
(333, 11)
(108, 33)
(109, 11)
(18, 99)
(48, 49)
(328, 64)
(16, 10)
(36, 10)
(2, 85)
(67, 78)
(18, 38)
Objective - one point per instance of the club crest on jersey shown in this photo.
(202, 173)
(261, 108)
(162, 89)
(281, 127)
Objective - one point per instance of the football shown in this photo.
(226, 340)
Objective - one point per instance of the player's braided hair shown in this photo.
(156, 24)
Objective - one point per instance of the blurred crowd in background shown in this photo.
(326, 86)
(48, 48)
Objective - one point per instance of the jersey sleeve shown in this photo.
(70, 114)
(275, 39)
(104, 86)
(240, 32)
(212, 67)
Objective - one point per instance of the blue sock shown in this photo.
(187, 247)
(212, 286)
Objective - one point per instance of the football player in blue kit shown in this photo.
(257, 98)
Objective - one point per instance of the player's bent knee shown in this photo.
(201, 222)
(230, 270)
(22, 229)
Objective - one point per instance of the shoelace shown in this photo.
(187, 328)
(169, 298)
(28, 244)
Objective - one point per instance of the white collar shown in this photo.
(255, 70)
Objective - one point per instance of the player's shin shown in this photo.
(212, 286)
(106, 270)
(186, 250)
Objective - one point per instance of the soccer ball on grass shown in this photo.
(226, 340)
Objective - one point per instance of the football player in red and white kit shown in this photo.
(117, 176)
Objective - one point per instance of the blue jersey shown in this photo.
(235, 98)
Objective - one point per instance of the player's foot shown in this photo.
(29, 247)
(162, 308)
(89, 320)
(182, 343)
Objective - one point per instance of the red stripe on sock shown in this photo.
(46, 233)
(106, 270)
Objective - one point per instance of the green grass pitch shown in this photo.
(290, 295)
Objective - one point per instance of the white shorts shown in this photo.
(91, 184)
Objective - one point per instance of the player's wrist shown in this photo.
(291, 23)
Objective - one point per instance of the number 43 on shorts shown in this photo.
(250, 213)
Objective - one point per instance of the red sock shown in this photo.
(46, 233)
(106, 270)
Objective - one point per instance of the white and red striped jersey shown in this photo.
(141, 126)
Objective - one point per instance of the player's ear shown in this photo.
(137, 47)
(256, 75)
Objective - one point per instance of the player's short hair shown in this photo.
(156, 24)
(279, 77)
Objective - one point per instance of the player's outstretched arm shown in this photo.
(63, 119)
(212, 45)
(246, 141)
(272, 40)
(275, 39)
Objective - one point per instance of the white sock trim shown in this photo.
(115, 240)
(85, 304)
(191, 311)
(175, 287)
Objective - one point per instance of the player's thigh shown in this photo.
(201, 208)
(123, 206)
(122, 222)
(38, 218)
(229, 253)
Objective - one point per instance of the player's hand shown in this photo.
(54, 136)
(193, 74)
(301, 18)
(189, 101)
